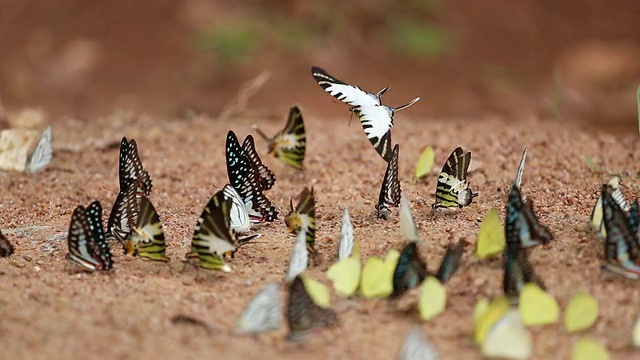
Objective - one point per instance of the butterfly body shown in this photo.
(390, 191)
(147, 237)
(304, 217)
(452, 189)
(376, 119)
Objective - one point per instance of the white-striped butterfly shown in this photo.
(289, 145)
(303, 217)
(239, 216)
(453, 188)
(87, 245)
(390, 190)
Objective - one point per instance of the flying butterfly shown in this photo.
(147, 237)
(453, 188)
(6, 249)
(265, 176)
(42, 154)
(303, 313)
(264, 312)
(390, 191)
(240, 221)
(124, 214)
(130, 169)
(376, 119)
(213, 236)
(520, 217)
(243, 176)
(86, 241)
(622, 251)
(304, 217)
(289, 145)
(596, 221)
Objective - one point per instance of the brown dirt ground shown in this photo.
(46, 310)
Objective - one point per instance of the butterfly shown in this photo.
(520, 217)
(213, 236)
(147, 237)
(265, 176)
(345, 245)
(6, 249)
(411, 270)
(491, 239)
(376, 119)
(346, 273)
(518, 179)
(408, 226)
(425, 163)
(453, 189)
(377, 275)
(416, 347)
(243, 176)
(622, 250)
(130, 169)
(299, 259)
(303, 313)
(289, 145)
(508, 338)
(41, 156)
(304, 217)
(390, 191)
(240, 221)
(596, 221)
(264, 312)
(517, 269)
(87, 245)
(124, 213)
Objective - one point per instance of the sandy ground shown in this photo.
(47, 310)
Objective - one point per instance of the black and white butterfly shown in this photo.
(265, 176)
(244, 177)
(42, 154)
(86, 241)
(622, 250)
(376, 119)
(130, 169)
(124, 213)
(390, 191)
(453, 188)
(239, 216)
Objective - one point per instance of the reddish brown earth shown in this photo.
(49, 310)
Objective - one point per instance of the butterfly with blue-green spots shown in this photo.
(87, 245)
(622, 251)
(522, 225)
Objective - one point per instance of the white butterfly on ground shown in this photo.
(376, 119)
(416, 347)
(345, 246)
(239, 216)
(264, 312)
(299, 259)
(408, 226)
(41, 156)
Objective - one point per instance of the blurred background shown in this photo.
(562, 59)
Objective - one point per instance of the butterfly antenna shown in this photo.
(406, 105)
(262, 135)
(109, 189)
(381, 92)
(366, 198)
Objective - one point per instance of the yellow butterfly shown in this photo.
(433, 298)
(425, 162)
(581, 312)
(537, 307)
(317, 291)
(345, 274)
(508, 338)
(491, 239)
(486, 314)
(377, 275)
(588, 349)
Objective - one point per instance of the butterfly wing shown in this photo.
(450, 262)
(521, 216)
(347, 239)
(410, 270)
(621, 244)
(390, 191)
(6, 249)
(94, 218)
(517, 270)
(244, 178)
(213, 237)
(303, 314)
(518, 179)
(147, 237)
(131, 169)
(81, 243)
(264, 312)
(265, 177)
(42, 154)
(304, 217)
(239, 216)
(290, 144)
(348, 94)
(124, 214)
(377, 122)
(452, 189)
(299, 259)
